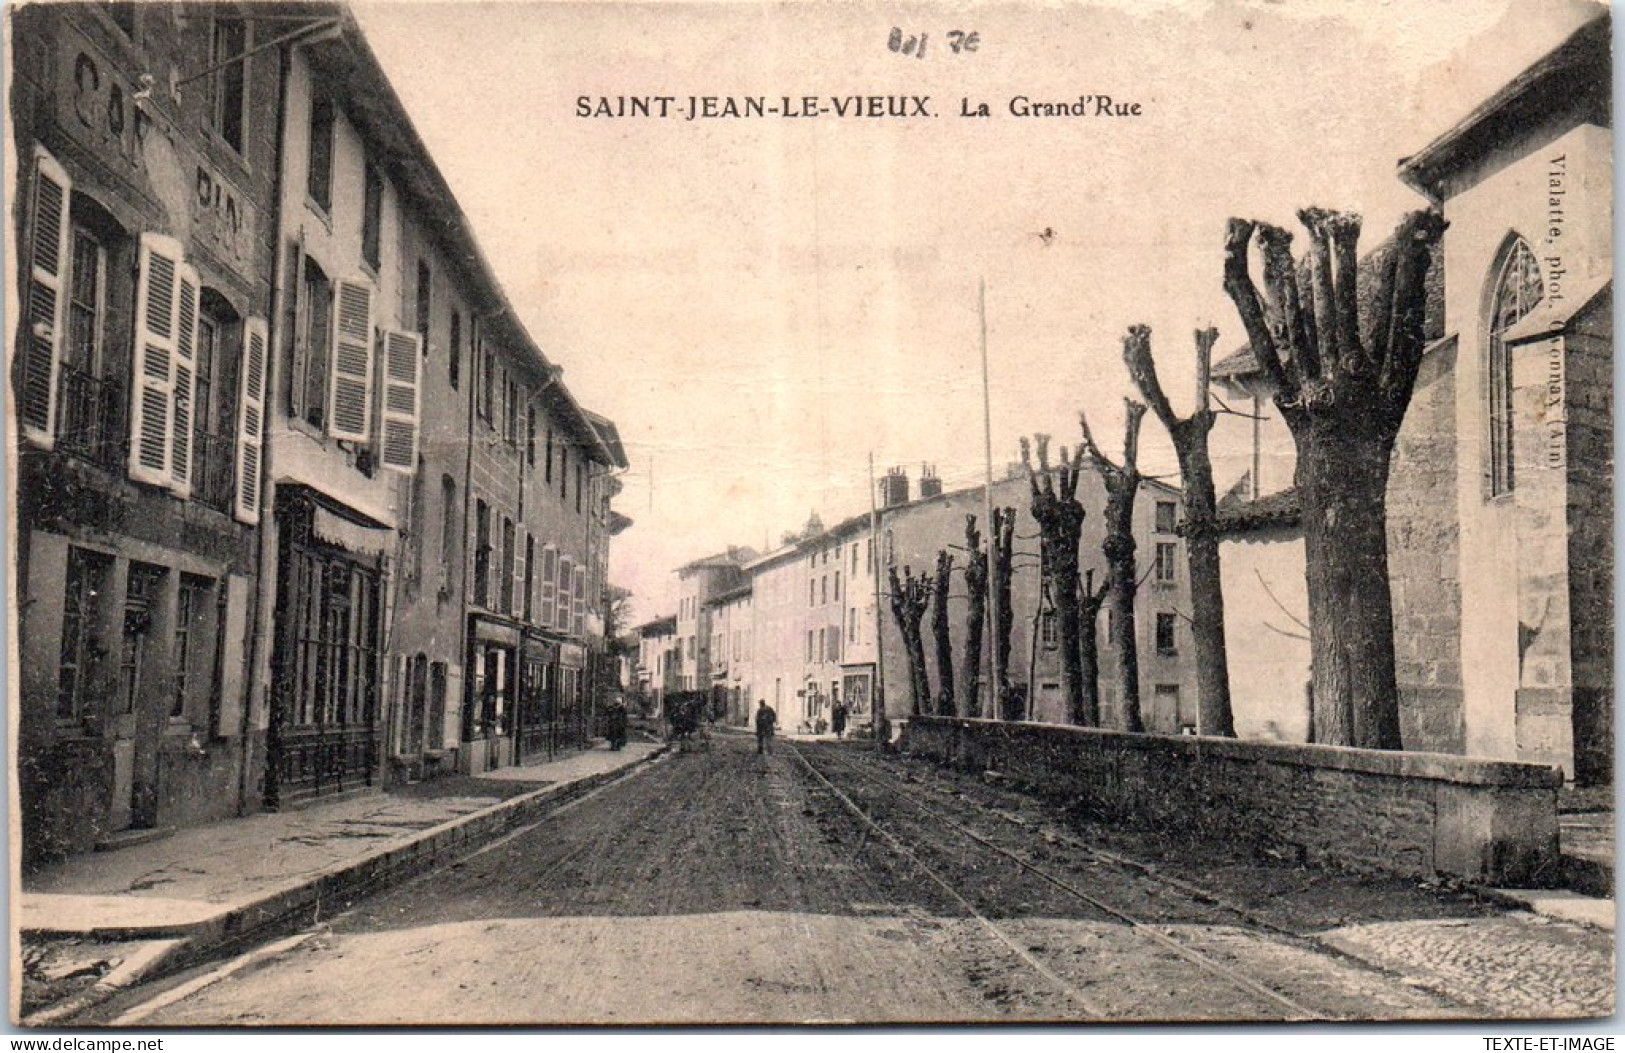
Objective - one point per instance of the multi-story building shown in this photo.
(698, 582)
(730, 652)
(146, 140)
(778, 624)
(658, 664)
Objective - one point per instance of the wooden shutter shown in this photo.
(518, 572)
(251, 420)
(561, 615)
(349, 392)
(398, 408)
(550, 569)
(183, 389)
(579, 607)
(157, 310)
(47, 299)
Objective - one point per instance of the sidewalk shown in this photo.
(211, 885)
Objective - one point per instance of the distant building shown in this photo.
(658, 662)
(912, 533)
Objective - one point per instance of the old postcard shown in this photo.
(773, 513)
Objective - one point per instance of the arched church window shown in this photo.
(1517, 290)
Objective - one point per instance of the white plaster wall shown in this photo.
(1265, 599)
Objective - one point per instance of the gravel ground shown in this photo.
(726, 887)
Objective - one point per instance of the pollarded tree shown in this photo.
(1190, 438)
(1004, 615)
(1122, 483)
(975, 618)
(909, 598)
(1343, 395)
(1060, 524)
(944, 641)
(1090, 600)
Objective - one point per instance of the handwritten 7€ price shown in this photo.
(959, 42)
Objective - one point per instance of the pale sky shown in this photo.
(759, 303)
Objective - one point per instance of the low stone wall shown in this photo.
(1417, 814)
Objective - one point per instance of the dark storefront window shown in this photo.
(81, 614)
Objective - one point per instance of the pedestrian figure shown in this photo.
(838, 719)
(766, 720)
(616, 721)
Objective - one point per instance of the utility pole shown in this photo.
(991, 710)
(882, 730)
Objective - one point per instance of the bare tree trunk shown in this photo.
(975, 618)
(1343, 393)
(1060, 524)
(1122, 486)
(939, 628)
(1089, 603)
(1190, 438)
(1004, 615)
(909, 598)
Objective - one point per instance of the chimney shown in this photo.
(894, 488)
(930, 481)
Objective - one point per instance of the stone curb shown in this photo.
(236, 925)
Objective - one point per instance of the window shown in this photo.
(82, 608)
(1047, 633)
(1166, 643)
(1167, 513)
(812, 593)
(581, 482)
(1166, 570)
(550, 453)
(192, 612)
(510, 429)
(530, 436)
(482, 554)
(140, 596)
(89, 403)
(487, 381)
(219, 349)
(837, 586)
(335, 674)
(372, 219)
(449, 528)
(1166, 710)
(823, 589)
(564, 471)
(319, 180)
(868, 555)
(809, 645)
(454, 358)
(228, 44)
(316, 302)
(854, 559)
(424, 303)
(1518, 290)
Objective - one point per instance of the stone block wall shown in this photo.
(1424, 559)
(1414, 814)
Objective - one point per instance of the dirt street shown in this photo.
(722, 886)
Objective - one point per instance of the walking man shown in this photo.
(766, 719)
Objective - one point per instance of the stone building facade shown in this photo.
(145, 219)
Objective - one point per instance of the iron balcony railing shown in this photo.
(89, 418)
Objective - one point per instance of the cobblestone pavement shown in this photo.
(1517, 965)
